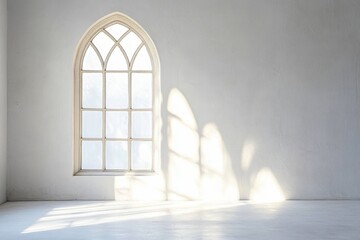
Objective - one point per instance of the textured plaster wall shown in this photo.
(271, 86)
(3, 100)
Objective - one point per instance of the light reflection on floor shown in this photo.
(108, 212)
(180, 220)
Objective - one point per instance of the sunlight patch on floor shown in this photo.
(110, 212)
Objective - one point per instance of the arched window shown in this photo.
(117, 108)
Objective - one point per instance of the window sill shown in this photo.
(114, 173)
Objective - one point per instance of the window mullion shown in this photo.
(104, 123)
(129, 120)
(135, 54)
(80, 121)
(153, 120)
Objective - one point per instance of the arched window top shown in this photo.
(117, 99)
(117, 43)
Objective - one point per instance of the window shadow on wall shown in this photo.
(199, 166)
(196, 164)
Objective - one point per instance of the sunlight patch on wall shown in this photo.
(199, 164)
(247, 155)
(183, 143)
(179, 107)
(266, 188)
(183, 179)
(183, 140)
(218, 181)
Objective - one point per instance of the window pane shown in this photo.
(142, 60)
(130, 43)
(141, 155)
(117, 30)
(142, 124)
(117, 90)
(103, 43)
(117, 61)
(91, 155)
(117, 155)
(91, 60)
(141, 90)
(92, 90)
(117, 124)
(91, 124)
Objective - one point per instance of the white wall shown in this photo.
(3, 107)
(266, 91)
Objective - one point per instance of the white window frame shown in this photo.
(85, 41)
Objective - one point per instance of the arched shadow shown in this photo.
(196, 164)
(199, 166)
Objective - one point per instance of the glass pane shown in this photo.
(117, 90)
(141, 155)
(116, 30)
(142, 90)
(92, 90)
(117, 155)
(91, 124)
(142, 60)
(91, 155)
(117, 61)
(130, 43)
(91, 60)
(142, 124)
(117, 124)
(103, 43)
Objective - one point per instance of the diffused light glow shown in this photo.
(183, 143)
(183, 140)
(247, 155)
(199, 165)
(184, 178)
(218, 181)
(266, 188)
(148, 188)
(180, 108)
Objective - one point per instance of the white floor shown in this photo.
(180, 220)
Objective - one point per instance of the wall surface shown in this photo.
(260, 99)
(3, 100)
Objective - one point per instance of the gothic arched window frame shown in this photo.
(138, 113)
